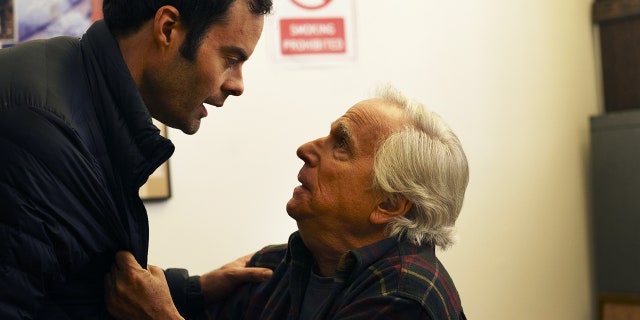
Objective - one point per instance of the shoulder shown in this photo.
(45, 74)
(269, 257)
(417, 274)
(35, 55)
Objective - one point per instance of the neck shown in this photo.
(326, 256)
(134, 52)
(327, 251)
(325, 267)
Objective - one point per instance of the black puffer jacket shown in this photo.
(76, 143)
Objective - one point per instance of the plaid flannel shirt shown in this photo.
(389, 279)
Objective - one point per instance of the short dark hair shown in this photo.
(124, 17)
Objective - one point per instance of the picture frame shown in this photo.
(158, 186)
(26, 20)
(8, 24)
(619, 306)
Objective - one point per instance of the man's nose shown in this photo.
(234, 85)
(308, 152)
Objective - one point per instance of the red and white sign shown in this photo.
(312, 35)
(310, 4)
(316, 31)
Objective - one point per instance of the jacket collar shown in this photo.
(132, 138)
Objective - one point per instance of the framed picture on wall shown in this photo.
(8, 32)
(619, 307)
(158, 187)
(23, 20)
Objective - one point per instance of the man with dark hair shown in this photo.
(77, 142)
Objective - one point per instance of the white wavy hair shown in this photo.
(425, 163)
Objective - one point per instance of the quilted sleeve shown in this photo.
(55, 212)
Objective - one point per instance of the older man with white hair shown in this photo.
(377, 196)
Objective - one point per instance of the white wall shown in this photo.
(517, 80)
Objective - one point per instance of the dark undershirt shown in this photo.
(316, 296)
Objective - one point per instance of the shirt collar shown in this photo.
(353, 261)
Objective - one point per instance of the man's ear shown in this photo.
(165, 24)
(397, 205)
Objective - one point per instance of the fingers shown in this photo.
(251, 274)
(125, 260)
(133, 292)
(217, 284)
(245, 259)
(238, 263)
(124, 271)
(238, 272)
(157, 272)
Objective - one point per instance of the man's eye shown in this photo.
(232, 62)
(341, 143)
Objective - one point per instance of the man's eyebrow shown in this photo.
(236, 51)
(341, 130)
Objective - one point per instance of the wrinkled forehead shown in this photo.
(377, 114)
(369, 122)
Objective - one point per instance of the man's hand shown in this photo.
(219, 283)
(132, 292)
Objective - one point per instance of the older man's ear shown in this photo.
(398, 205)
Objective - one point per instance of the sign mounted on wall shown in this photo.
(314, 31)
(311, 4)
